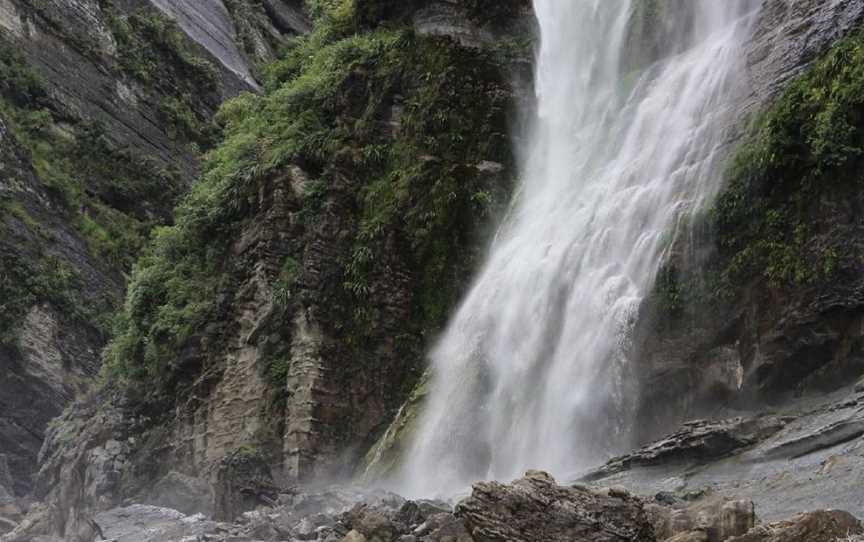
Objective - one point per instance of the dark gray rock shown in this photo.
(55, 354)
(697, 441)
(6, 480)
(243, 481)
(813, 461)
(790, 33)
(825, 437)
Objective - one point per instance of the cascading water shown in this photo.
(531, 371)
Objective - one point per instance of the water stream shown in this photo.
(532, 371)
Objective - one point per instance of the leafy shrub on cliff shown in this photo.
(18, 84)
(804, 151)
(388, 123)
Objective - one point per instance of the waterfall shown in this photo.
(532, 370)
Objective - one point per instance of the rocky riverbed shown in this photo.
(532, 509)
(790, 475)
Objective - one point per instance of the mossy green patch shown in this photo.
(804, 150)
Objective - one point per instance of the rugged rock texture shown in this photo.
(75, 46)
(54, 351)
(80, 48)
(708, 519)
(271, 334)
(536, 508)
(330, 515)
(823, 526)
(104, 109)
(531, 509)
(807, 456)
(790, 33)
(696, 442)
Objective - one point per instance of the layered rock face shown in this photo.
(88, 55)
(804, 456)
(105, 107)
(275, 328)
(55, 350)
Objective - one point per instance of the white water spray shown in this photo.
(530, 372)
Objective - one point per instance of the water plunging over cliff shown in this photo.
(532, 370)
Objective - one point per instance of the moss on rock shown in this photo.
(804, 152)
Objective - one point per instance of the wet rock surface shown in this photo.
(808, 456)
(792, 29)
(696, 441)
(102, 96)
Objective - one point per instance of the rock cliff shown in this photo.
(270, 333)
(105, 108)
(283, 201)
(762, 300)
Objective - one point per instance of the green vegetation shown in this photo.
(148, 42)
(782, 222)
(111, 196)
(389, 126)
(804, 151)
(152, 49)
(102, 188)
(22, 284)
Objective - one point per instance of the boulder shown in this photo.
(820, 526)
(354, 536)
(710, 519)
(372, 522)
(183, 493)
(243, 481)
(444, 527)
(536, 508)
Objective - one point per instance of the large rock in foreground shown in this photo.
(821, 526)
(536, 508)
